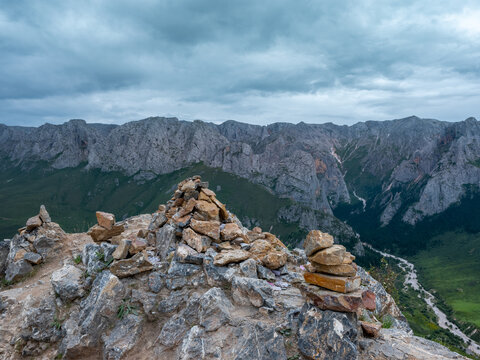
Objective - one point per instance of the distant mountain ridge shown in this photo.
(408, 168)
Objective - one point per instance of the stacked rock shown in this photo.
(331, 266)
(105, 228)
(194, 220)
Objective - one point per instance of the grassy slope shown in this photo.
(73, 195)
(451, 267)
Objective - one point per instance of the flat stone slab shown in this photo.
(331, 300)
(336, 283)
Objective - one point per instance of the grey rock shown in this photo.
(216, 275)
(44, 215)
(248, 291)
(33, 258)
(266, 274)
(180, 275)
(398, 345)
(190, 313)
(4, 251)
(123, 337)
(67, 282)
(214, 310)
(165, 240)
(193, 345)
(33, 223)
(249, 268)
(96, 257)
(43, 245)
(325, 334)
(148, 301)
(18, 269)
(185, 254)
(173, 331)
(156, 281)
(158, 220)
(98, 311)
(172, 301)
(257, 341)
(38, 319)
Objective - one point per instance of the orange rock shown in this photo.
(105, 220)
(260, 248)
(274, 240)
(257, 230)
(198, 242)
(335, 283)
(208, 228)
(348, 259)
(230, 256)
(207, 210)
(274, 259)
(221, 206)
(19, 254)
(207, 192)
(331, 256)
(187, 207)
(99, 233)
(230, 232)
(203, 196)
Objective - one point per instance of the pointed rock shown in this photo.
(44, 216)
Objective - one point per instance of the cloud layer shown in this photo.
(253, 61)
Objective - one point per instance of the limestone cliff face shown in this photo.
(419, 166)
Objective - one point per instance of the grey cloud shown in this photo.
(255, 61)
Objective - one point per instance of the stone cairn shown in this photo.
(331, 266)
(192, 222)
(29, 247)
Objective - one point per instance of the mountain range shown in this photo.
(403, 171)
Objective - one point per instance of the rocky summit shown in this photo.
(191, 282)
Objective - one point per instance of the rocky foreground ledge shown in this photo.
(190, 282)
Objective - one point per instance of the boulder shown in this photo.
(335, 283)
(172, 301)
(230, 256)
(33, 223)
(317, 240)
(207, 211)
(123, 337)
(325, 334)
(248, 291)
(67, 282)
(198, 242)
(99, 233)
(333, 255)
(44, 215)
(105, 220)
(17, 269)
(121, 251)
(98, 312)
(214, 309)
(128, 267)
(208, 228)
(33, 258)
(249, 268)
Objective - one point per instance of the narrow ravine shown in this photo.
(364, 202)
(411, 279)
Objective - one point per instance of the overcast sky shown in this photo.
(251, 61)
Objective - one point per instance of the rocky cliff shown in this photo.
(188, 282)
(409, 168)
